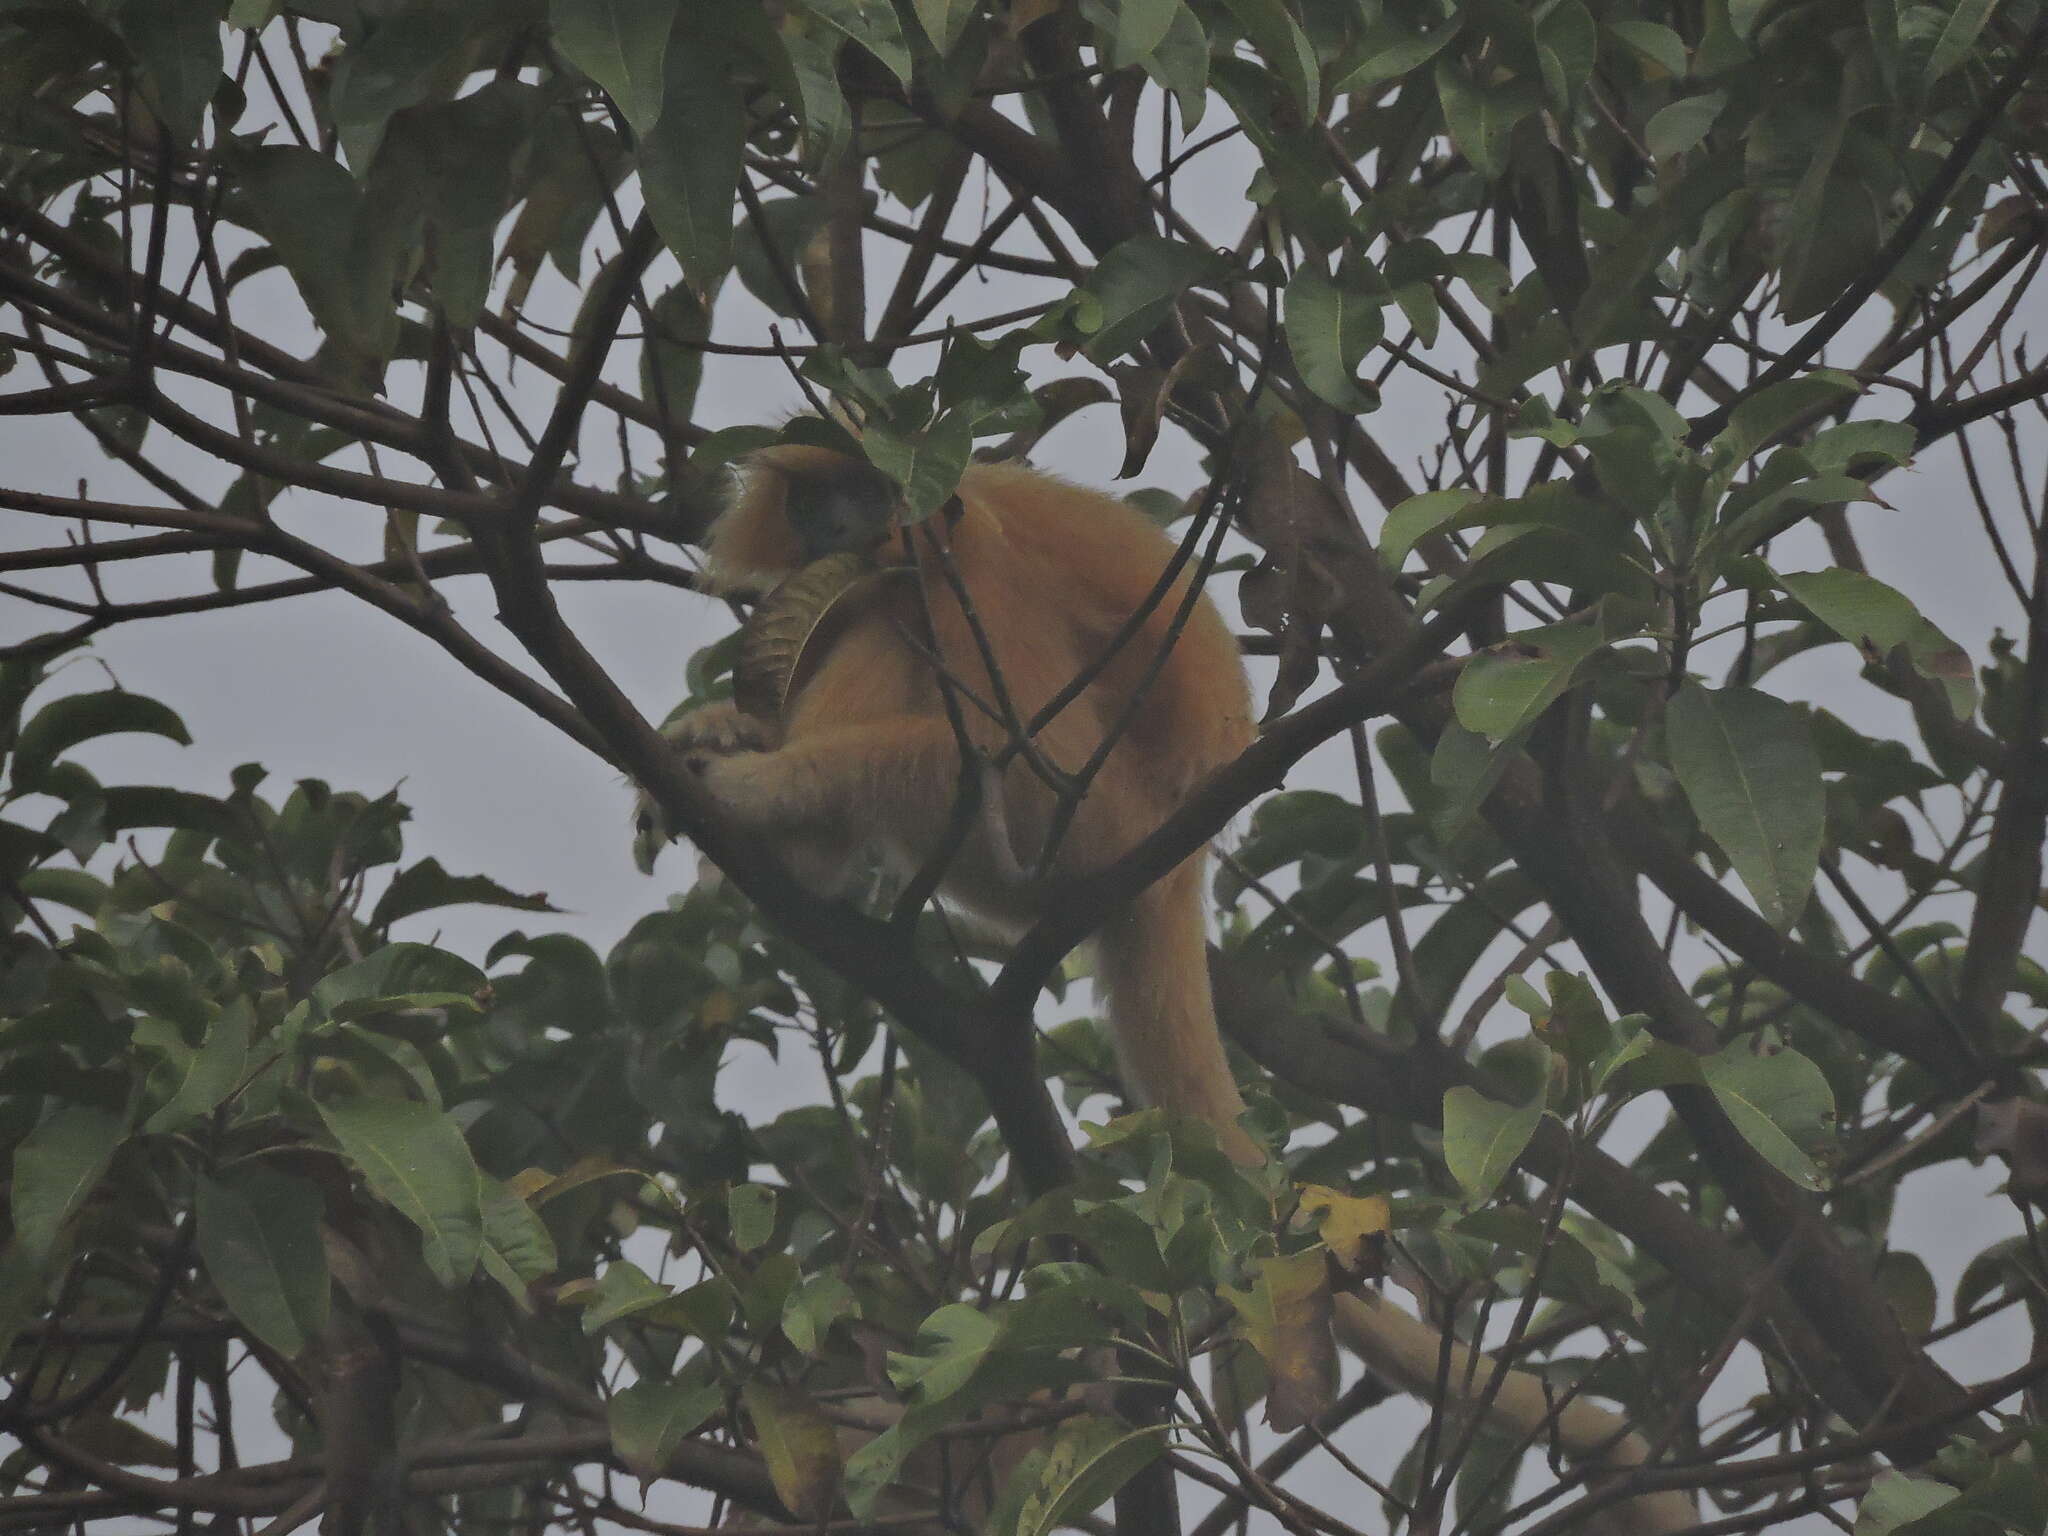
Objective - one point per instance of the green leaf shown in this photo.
(1877, 618)
(408, 58)
(305, 204)
(623, 1290)
(811, 1308)
(1480, 117)
(259, 1238)
(1389, 50)
(56, 1166)
(1779, 1101)
(1284, 47)
(799, 1445)
(1136, 284)
(927, 464)
(1136, 28)
(650, 1419)
(1419, 516)
(1502, 691)
(1330, 328)
(621, 44)
(201, 1079)
(398, 977)
(690, 159)
(1655, 42)
(1674, 129)
(943, 21)
(1482, 1139)
(517, 1248)
(1088, 1461)
(963, 1335)
(415, 1158)
(1957, 38)
(1895, 1500)
(65, 722)
(178, 49)
(873, 25)
(427, 887)
(751, 1210)
(1747, 763)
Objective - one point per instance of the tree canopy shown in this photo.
(1548, 365)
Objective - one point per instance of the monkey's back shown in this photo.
(1087, 562)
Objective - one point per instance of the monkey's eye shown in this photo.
(830, 519)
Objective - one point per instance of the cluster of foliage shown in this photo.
(493, 1235)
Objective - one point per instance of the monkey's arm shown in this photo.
(890, 774)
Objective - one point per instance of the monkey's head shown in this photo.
(797, 504)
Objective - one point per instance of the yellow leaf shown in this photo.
(1346, 1222)
(799, 1446)
(1286, 1318)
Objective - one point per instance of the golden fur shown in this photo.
(866, 755)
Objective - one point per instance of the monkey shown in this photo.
(865, 752)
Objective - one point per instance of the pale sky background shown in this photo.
(325, 686)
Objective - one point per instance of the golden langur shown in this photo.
(862, 753)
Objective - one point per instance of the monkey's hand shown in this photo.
(719, 728)
(715, 731)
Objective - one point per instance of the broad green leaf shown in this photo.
(650, 1419)
(199, 1080)
(1389, 50)
(1763, 415)
(56, 1167)
(1674, 129)
(517, 1248)
(813, 1306)
(963, 1336)
(1957, 38)
(178, 49)
(1137, 27)
(396, 977)
(408, 58)
(690, 158)
(623, 1290)
(927, 464)
(1278, 37)
(873, 25)
(306, 204)
(621, 45)
(1135, 285)
(415, 1157)
(251, 14)
(1779, 1101)
(943, 20)
(1501, 691)
(1747, 763)
(427, 887)
(1480, 117)
(751, 1209)
(65, 722)
(1657, 43)
(1419, 516)
(799, 1444)
(1330, 328)
(1482, 1139)
(1285, 1316)
(259, 1238)
(1088, 1461)
(1895, 1499)
(1877, 618)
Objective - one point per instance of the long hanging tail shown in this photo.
(1153, 961)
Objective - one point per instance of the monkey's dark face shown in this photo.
(848, 511)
